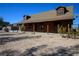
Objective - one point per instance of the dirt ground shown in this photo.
(37, 44)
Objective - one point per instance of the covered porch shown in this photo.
(50, 26)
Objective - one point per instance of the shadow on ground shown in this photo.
(60, 51)
(4, 40)
(29, 52)
(64, 51)
(6, 34)
(10, 53)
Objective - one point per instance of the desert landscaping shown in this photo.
(37, 44)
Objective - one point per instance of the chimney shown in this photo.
(26, 17)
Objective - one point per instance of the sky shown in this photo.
(13, 12)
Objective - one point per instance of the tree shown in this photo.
(3, 23)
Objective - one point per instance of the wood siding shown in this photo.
(50, 26)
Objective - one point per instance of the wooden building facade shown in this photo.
(48, 21)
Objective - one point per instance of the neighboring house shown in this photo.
(48, 21)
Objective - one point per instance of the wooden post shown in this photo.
(58, 28)
(47, 28)
(69, 30)
(34, 28)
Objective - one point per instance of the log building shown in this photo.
(48, 21)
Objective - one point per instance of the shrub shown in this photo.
(60, 29)
(22, 27)
(64, 30)
(6, 29)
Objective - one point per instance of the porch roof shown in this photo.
(50, 16)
